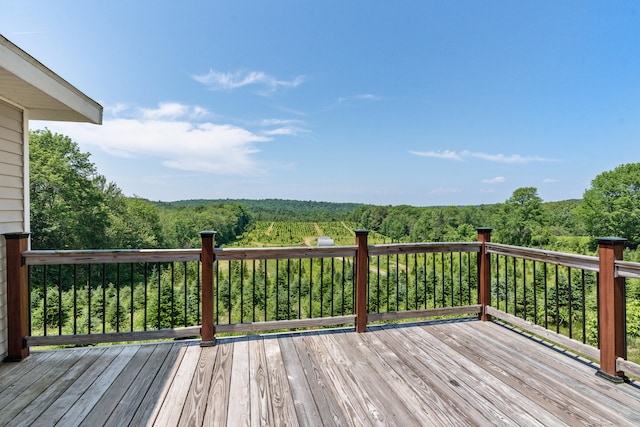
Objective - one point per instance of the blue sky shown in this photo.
(412, 102)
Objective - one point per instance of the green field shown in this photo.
(302, 233)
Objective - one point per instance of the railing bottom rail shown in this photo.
(285, 324)
(430, 312)
(548, 335)
(113, 337)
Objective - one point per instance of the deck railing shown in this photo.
(85, 297)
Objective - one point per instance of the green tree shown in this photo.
(68, 205)
(611, 207)
(522, 217)
(134, 223)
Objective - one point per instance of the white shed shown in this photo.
(325, 241)
(28, 90)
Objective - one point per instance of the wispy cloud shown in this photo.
(173, 111)
(169, 134)
(218, 80)
(550, 180)
(500, 158)
(446, 154)
(495, 180)
(283, 127)
(361, 97)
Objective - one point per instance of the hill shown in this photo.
(277, 209)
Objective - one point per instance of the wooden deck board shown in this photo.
(176, 396)
(50, 387)
(156, 393)
(15, 382)
(304, 405)
(284, 412)
(217, 401)
(521, 410)
(240, 388)
(391, 408)
(447, 373)
(440, 373)
(196, 402)
(130, 403)
(107, 404)
(261, 410)
(544, 374)
(94, 393)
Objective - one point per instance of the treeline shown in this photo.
(522, 220)
(277, 209)
(74, 207)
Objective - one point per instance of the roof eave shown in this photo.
(42, 92)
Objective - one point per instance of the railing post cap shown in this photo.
(361, 232)
(611, 241)
(15, 236)
(207, 233)
(484, 229)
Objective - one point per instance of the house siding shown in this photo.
(12, 200)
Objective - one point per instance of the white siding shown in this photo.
(12, 203)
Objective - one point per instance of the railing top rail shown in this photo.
(583, 262)
(293, 252)
(628, 269)
(109, 256)
(426, 247)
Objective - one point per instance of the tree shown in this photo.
(68, 205)
(611, 207)
(134, 223)
(522, 217)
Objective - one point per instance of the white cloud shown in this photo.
(282, 131)
(166, 133)
(361, 97)
(550, 180)
(217, 80)
(173, 111)
(495, 180)
(446, 154)
(283, 127)
(501, 158)
(368, 96)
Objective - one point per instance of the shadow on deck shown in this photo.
(461, 372)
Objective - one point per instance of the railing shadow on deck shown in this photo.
(88, 297)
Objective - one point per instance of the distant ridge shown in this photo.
(277, 209)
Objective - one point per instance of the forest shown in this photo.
(74, 207)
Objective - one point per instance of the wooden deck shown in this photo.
(432, 373)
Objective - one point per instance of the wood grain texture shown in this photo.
(171, 409)
(239, 395)
(431, 373)
(217, 401)
(196, 402)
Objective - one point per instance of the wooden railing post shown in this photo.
(611, 309)
(484, 273)
(17, 297)
(208, 330)
(362, 272)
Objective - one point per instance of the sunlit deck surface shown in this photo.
(462, 372)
